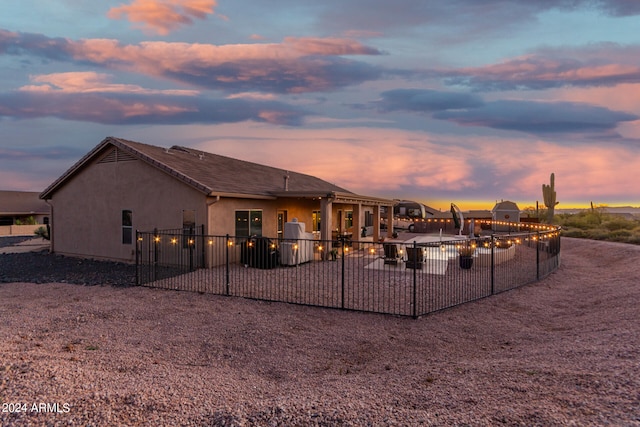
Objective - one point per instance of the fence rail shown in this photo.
(410, 278)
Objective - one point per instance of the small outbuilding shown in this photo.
(121, 186)
(505, 212)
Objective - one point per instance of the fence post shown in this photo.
(226, 248)
(191, 243)
(538, 255)
(343, 240)
(493, 264)
(203, 247)
(415, 279)
(155, 253)
(137, 258)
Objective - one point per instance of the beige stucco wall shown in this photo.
(222, 213)
(87, 210)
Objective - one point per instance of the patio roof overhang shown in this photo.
(336, 197)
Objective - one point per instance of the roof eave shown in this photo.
(339, 196)
(48, 192)
(218, 194)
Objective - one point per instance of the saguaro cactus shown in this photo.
(549, 196)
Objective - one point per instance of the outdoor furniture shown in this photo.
(297, 247)
(391, 253)
(415, 257)
(259, 252)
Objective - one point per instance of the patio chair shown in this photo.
(391, 254)
(415, 258)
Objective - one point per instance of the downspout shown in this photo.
(209, 204)
(48, 201)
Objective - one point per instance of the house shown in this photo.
(21, 212)
(121, 186)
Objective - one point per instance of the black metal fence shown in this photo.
(408, 278)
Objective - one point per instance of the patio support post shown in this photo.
(376, 223)
(389, 222)
(357, 224)
(326, 210)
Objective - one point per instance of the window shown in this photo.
(316, 219)
(348, 219)
(248, 223)
(368, 219)
(127, 227)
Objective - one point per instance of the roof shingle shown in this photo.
(209, 173)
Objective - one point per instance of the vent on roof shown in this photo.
(116, 155)
(179, 148)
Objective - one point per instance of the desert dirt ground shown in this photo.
(563, 351)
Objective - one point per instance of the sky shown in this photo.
(459, 101)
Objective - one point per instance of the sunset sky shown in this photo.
(461, 101)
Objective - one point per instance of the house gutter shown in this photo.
(217, 195)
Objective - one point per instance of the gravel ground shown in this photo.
(43, 267)
(13, 240)
(563, 351)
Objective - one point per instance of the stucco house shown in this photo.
(21, 212)
(121, 186)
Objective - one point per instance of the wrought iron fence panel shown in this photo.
(409, 278)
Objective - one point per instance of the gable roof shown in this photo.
(22, 203)
(505, 205)
(209, 173)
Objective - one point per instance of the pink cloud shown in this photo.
(604, 64)
(328, 46)
(296, 65)
(395, 163)
(89, 81)
(163, 16)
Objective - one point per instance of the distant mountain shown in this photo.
(608, 209)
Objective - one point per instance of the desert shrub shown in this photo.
(30, 220)
(598, 234)
(42, 232)
(598, 225)
(618, 223)
(623, 236)
(573, 232)
(634, 238)
(583, 220)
